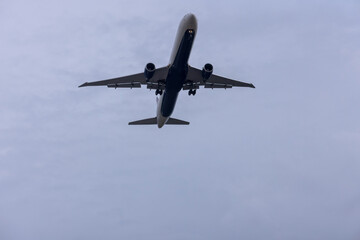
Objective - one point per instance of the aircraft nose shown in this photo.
(191, 21)
(191, 16)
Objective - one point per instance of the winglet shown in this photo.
(252, 85)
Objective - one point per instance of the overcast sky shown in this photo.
(281, 161)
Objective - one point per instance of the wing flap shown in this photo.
(215, 81)
(217, 85)
(125, 85)
(158, 85)
(130, 80)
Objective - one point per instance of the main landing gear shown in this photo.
(192, 92)
(158, 91)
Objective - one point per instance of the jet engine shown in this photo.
(207, 71)
(149, 71)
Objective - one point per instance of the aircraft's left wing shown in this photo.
(131, 81)
(195, 79)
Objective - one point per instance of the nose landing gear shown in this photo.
(192, 92)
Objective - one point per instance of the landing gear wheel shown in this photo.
(158, 91)
(192, 92)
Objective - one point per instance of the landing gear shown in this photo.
(158, 91)
(192, 92)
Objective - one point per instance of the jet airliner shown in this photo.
(169, 80)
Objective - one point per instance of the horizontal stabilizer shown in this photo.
(153, 121)
(174, 121)
(147, 121)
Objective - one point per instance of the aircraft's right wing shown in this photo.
(195, 80)
(132, 81)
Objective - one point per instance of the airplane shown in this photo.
(169, 80)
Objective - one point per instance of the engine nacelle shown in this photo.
(207, 71)
(149, 71)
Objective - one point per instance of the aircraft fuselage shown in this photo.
(178, 68)
(169, 80)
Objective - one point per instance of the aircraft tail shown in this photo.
(153, 121)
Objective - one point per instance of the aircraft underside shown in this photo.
(168, 81)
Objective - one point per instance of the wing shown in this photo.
(132, 81)
(195, 79)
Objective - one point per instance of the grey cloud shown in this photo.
(277, 162)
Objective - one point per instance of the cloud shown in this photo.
(279, 161)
